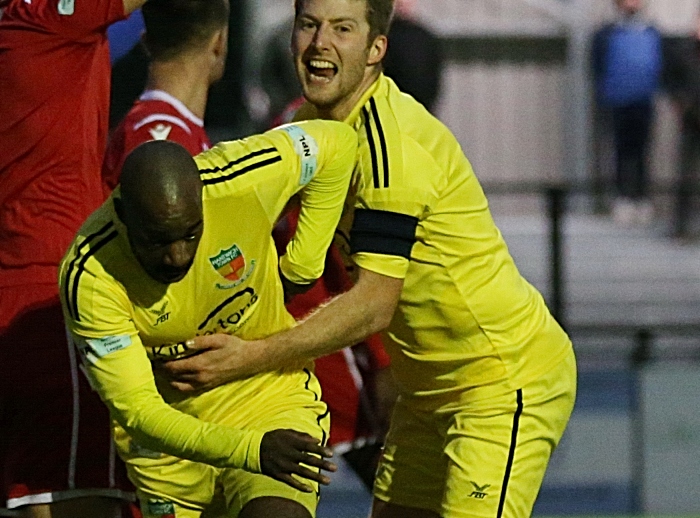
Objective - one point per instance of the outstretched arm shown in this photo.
(348, 319)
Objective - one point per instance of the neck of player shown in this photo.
(184, 80)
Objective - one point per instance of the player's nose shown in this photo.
(321, 37)
(178, 255)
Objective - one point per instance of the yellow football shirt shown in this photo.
(116, 313)
(468, 324)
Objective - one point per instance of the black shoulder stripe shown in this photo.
(240, 160)
(382, 140)
(372, 147)
(81, 268)
(224, 304)
(72, 264)
(383, 232)
(240, 172)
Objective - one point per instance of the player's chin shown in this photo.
(321, 96)
(171, 276)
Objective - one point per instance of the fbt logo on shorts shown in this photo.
(479, 491)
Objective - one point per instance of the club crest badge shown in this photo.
(231, 264)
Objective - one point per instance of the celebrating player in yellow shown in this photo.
(487, 378)
(184, 247)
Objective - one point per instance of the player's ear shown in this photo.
(219, 42)
(377, 50)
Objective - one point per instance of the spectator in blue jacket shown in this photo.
(627, 66)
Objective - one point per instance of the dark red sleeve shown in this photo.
(114, 157)
(380, 358)
(335, 273)
(72, 19)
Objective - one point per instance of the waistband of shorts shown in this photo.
(449, 402)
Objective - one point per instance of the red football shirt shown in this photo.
(54, 103)
(156, 115)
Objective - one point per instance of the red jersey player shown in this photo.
(55, 444)
(156, 115)
(180, 73)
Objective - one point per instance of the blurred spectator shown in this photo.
(181, 71)
(682, 80)
(627, 66)
(57, 456)
(414, 58)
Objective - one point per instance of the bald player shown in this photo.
(184, 248)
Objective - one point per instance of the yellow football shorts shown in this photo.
(171, 487)
(487, 459)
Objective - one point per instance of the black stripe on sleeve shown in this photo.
(240, 172)
(72, 264)
(240, 160)
(511, 453)
(383, 232)
(382, 140)
(372, 148)
(81, 268)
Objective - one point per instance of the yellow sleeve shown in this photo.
(120, 371)
(322, 194)
(315, 158)
(99, 322)
(391, 204)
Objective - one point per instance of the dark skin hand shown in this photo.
(282, 453)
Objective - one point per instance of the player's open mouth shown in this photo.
(321, 70)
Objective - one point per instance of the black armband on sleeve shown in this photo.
(383, 232)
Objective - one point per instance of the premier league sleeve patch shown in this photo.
(101, 347)
(307, 149)
(92, 349)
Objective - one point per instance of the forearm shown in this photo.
(153, 424)
(322, 200)
(348, 319)
(123, 377)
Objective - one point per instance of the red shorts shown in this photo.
(55, 438)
